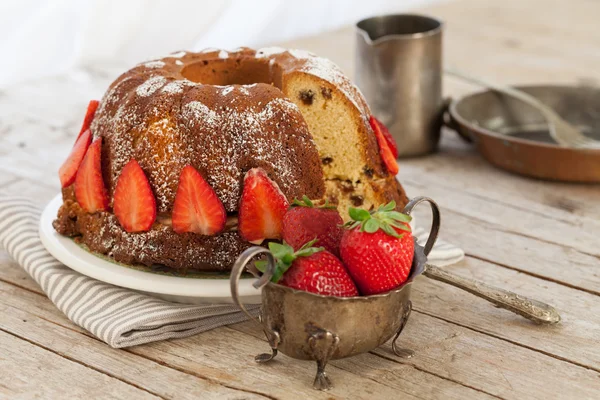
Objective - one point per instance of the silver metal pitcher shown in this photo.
(399, 70)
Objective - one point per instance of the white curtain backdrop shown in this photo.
(46, 37)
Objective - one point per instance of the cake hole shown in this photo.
(326, 160)
(223, 72)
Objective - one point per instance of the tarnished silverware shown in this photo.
(308, 326)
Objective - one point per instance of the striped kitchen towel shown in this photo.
(120, 317)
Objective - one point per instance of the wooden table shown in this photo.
(538, 238)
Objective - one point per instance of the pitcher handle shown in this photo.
(435, 224)
(238, 268)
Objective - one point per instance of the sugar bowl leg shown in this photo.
(274, 339)
(404, 353)
(322, 344)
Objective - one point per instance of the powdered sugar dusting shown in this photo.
(301, 53)
(154, 64)
(176, 86)
(227, 90)
(223, 54)
(269, 51)
(200, 112)
(150, 86)
(178, 54)
(329, 71)
(209, 50)
(178, 62)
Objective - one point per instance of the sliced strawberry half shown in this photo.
(384, 149)
(89, 116)
(89, 185)
(386, 134)
(134, 204)
(68, 170)
(197, 208)
(262, 208)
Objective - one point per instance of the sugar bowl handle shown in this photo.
(239, 266)
(435, 224)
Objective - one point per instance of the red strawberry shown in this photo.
(386, 134)
(261, 209)
(311, 269)
(134, 204)
(89, 116)
(68, 170)
(197, 208)
(385, 150)
(377, 255)
(306, 222)
(89, 186)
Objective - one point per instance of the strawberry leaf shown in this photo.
(385, 217)
(306, 202)
(398, 216)
(358, 214)
(261, 265)
(388, 207)
(371, 225)
(280, 250)
(285, 256)
(390, 231)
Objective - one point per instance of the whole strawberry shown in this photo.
(305, 222)
(312, 269)
(376, 251)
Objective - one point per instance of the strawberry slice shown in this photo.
(89, 116)
(89, 186)
(68, 170)
(262, 208)
(197, 208)
(384, 149)
(134, 204)
(386, 134)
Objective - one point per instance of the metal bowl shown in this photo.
(309, 326)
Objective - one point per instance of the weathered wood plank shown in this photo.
(138, 371)
(471, 358)
(481, 361)
(29, 371)
(489, 242)
(573, 339)
(510, 219)
(406, 378)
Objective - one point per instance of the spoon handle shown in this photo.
(533, 310)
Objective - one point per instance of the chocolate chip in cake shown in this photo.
(347, 186)
(306, 96)
(326, 92)
(327, 160)
(368, 172)
(205, 62)
(357, 200)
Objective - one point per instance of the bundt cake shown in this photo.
(189, 159)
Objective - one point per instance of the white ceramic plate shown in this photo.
(191, 290)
